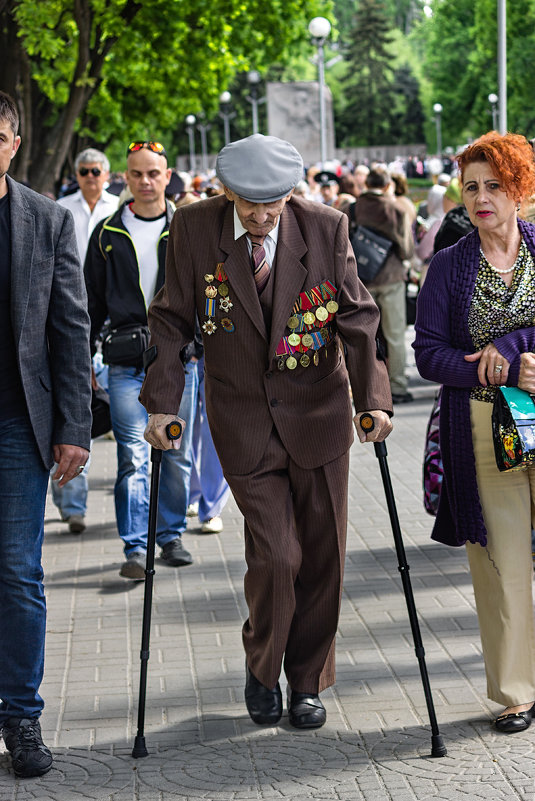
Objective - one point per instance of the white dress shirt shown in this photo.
(85, 219)
(270, 242)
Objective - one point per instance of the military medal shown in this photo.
(293, 322)
(316, 358)
(332, 306)
(291, 362)
(322, 313)
(307, 340)
(280, 363)
(304, 361)
(308, 318)
(294, 339)
(213, 292)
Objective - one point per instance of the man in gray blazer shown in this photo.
(45, 417)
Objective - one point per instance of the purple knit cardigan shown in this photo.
(442, 340)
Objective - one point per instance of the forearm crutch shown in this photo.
(438, 749)
(173, 431)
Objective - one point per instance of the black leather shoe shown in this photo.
(263, 705)
(305, 710)
(175, 554)
(29, 755)
(515, 721)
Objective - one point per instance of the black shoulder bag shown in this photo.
(371, 249)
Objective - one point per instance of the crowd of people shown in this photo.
(232, 303)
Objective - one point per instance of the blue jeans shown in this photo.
(208, 487)
(71, 499)
(129, 419)
(23, 486)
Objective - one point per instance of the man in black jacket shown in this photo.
(124, 268)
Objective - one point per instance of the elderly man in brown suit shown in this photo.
(287, 325)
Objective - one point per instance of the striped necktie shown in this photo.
(261, 269)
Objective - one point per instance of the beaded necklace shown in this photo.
(501, 272)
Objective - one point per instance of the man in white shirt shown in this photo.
(88, 205)
(91, 203)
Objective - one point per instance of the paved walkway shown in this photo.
(202, 744)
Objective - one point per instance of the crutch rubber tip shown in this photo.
(140, 749)
(438, 749)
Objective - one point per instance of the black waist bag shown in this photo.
(125, 346)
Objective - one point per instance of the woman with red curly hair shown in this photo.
(475, 332)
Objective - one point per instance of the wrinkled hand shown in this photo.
(69, 458)
(526, 376)
(489, 359)
(381, 430)
(155, 431)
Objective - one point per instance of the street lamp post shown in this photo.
(493, 100)
(319, 29)
(437, 108)
(225, 114)
(253, 79)
(190, 123)
(502, 65)
(203, 128)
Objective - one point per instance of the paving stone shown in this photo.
(376, 745)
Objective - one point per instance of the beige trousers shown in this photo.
(502, 573)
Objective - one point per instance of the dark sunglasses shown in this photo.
(85, 171)
(156, 147)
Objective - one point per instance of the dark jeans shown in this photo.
(23, 486)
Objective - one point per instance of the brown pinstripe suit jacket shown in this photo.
(246, 394)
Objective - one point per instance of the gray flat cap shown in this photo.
(260, 168)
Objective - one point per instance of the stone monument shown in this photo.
(293, 112)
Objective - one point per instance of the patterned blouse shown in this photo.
(497, 309)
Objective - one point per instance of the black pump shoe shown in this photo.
(263, 705)
(515, 721)
(305, 710)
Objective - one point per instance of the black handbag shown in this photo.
(371, 249)
(100, 409)
(126, 345)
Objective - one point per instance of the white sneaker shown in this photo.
(212, 526)
(192, 510)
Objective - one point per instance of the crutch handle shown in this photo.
(367, 423)
(173, 430)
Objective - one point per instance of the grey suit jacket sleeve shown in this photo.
(68, 340)
(50, 320)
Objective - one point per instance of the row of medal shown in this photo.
(213, 293)
(304, 318)
(301, 343)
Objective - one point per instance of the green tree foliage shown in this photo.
(380, 102)
(115, 69)
(460, 51)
